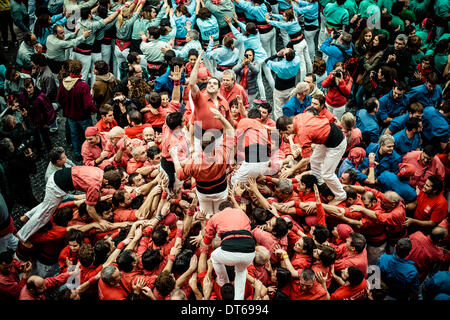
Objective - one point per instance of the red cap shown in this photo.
(202, 73)
(170, 219)
(406, 170)
(91, 131)
(344, 231)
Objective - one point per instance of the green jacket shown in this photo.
(56, 48)
(226, 8)
(336, 14)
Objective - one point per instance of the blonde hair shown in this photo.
(124, 14)
(348, 122)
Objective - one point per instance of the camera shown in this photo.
(246, 56)
(336, 33)
(338, 74)
(25, 145)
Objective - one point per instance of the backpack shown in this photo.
(350, 61)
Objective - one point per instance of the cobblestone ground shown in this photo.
(58, 139)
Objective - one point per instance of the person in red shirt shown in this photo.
(266, 110)
(426, 251)
(330, 147)
(10, 282)
(139, 159)
(107, 121)
(355, 254)
(135, 120)
(82, 178)
(353, 285)
(208, 167)
(237, 248)
(110, 285)
(229, 89)
(202, 118)
(94, 149)
(69, 255)
(37, 286)
(426, 164)
(431, 206)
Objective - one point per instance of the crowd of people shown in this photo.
(189, 182)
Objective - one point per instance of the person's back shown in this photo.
(399, 273)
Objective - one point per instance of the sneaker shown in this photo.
(259, 101)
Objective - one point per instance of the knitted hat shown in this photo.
(344, 231)
(91, 131)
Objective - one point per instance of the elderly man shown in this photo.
(229, 89)
(299, 102)
(139, 159)
(94, 149)
(37, 286)
(398, 56)
(191, 43)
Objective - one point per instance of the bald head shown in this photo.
(36, 285)
(393, 196)
(438, 234)
(262, 255)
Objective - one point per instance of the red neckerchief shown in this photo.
(244, 80)
(75, 75)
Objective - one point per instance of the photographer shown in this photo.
(247, 72)
(338, 51)
(18, 164)
(340, 84)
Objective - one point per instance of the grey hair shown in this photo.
(107, 274)
(116, 132)
(193, 34)
(402, 37)
(285, 185)
(302, 87)
(393, 196)
(177, 294)
(308, 275)
(262, 255)
(385, 138)
(136, 150)
(346, 38)
(230, 73)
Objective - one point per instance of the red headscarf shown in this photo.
(356, 155)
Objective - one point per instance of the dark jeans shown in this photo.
(6, 22)
(77, 129)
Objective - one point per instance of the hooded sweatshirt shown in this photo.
(102, 91)
(75, 97)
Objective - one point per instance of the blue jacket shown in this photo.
(390, 107)
(438, 284)
(400, 275)
(208, 27)
(257, 12)
(435, 125)
(222, 55)
(164, 83)
(310, 10)
(346, 164)
(334, 53)
(181, 22)
(368, 125)
(398, 123)
(391, 182)
(285, 69)
(403, 144)
(295, 106)
(425, 97)
(291, 27)
(250, 42)
(387, 163)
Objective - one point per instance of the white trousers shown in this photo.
(42, 213)
(279, 100)
(209, 203)
(310, 40)
(86, 60)
(305, 61)
(324, 162)
(221, 258)
(249, 170)
(337, 112)
(121, 56)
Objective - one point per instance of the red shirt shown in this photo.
(171, 139)
(103, 127)
(235, 91)
(49, 283)
(259, 272)
(422, 173)
(67, 253)
(158, 120)
(431, 208)
(89, 180)
(357, 292)
(124, 214)
(203, 117)
(11, 284)
(424, 253)
(358, 260)
(317, 292)
(226, 220)
(136, 132)
(310, 129)
(106, 292)
(250, 132)
(91, 152)
(269, 241)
